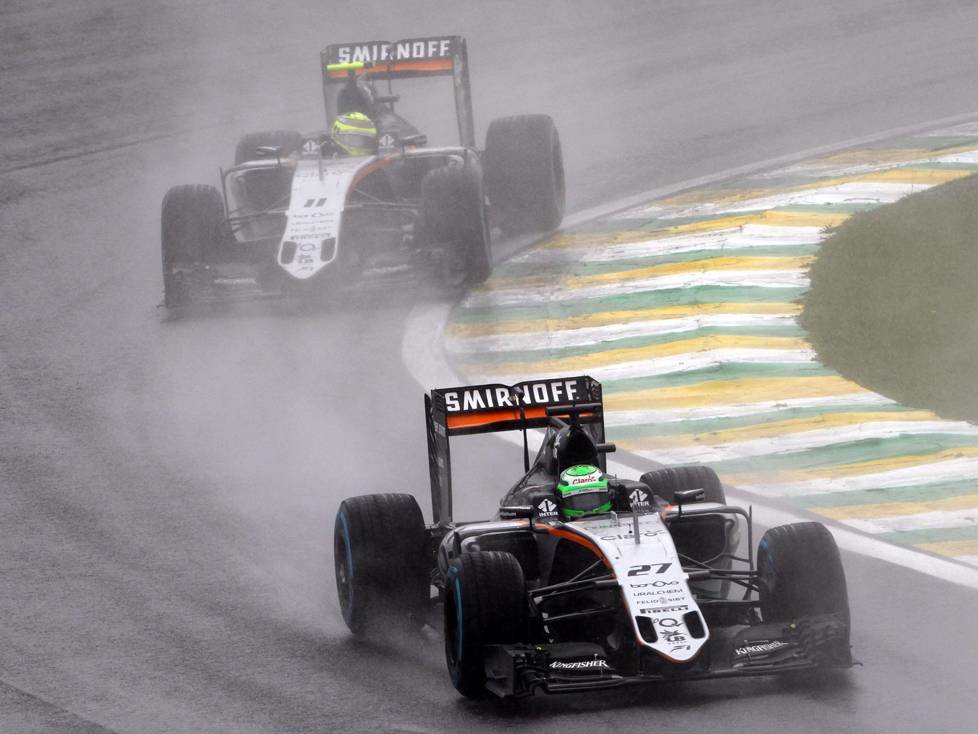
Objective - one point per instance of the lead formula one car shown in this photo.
(298, 215)
(583, 580)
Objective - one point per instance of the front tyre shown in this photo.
(485, 604)
(192, 232)
(378, 555)
(801, 573)
(453, 215)
(524, 168)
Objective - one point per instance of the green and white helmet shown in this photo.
(583, 490)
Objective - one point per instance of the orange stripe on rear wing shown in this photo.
(488, 418)
(500, 417)
(432, 67)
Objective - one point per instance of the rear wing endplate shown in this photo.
(404, 59)
(474, 409)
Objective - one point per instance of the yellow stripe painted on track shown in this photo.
(768, 218)
(871, 157)
(706, 265)
(894, 509)
(841, 471)
(951, 547)
(609, 318)
(600, 239)
(913, 175)
(732, 392)
(883, 156)
(898, 462)
(796, 425)
(765, 477)
(924, 176)
(654, 351)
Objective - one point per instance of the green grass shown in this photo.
(894, 300)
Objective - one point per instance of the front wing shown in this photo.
(808, 643)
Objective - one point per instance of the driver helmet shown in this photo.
(583, 490)
(354, 134)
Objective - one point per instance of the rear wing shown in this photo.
(474, 409)
(404, 59)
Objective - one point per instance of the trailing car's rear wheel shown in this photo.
(524, 169)
(192, 230)
(485, 604)
(801, 573)
(287, 141)
(378, 556)
(453, 214)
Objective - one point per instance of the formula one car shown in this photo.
(294, 216)
(582, 580)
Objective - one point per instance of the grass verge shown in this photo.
(893, 303)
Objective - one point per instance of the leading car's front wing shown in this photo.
(805, 644)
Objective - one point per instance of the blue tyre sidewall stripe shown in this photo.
(457, 671)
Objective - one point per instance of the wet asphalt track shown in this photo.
(167, 487)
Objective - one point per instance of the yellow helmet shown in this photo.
(355, 134)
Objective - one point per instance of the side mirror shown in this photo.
(516, 512)
(686, 496)
(267, 151)
(606, 448)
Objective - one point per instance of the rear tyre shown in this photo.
(453, 214)
(667, 481)
(485, 604)
(801, 573)
(287, 141)
(524, 168)
(192, 231)
(378, 555)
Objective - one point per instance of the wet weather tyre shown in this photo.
(801, 573)
(192, 230)
(524, 169)
(454, 215)
(379, 560)
(485, 604)
(665, 482)
(287, 141)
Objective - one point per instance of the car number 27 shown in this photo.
(646, 570)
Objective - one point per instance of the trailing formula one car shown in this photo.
(303, 214)
(583, 580)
